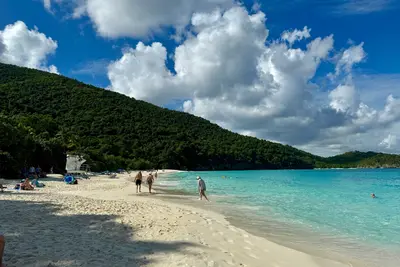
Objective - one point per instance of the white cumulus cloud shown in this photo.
(24, 47)
(138, 18)
(296, 35)
(349, 58)
(227, 72)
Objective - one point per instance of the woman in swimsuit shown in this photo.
(138, 182)
(150, 180)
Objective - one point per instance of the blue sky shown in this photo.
(87, 45)
(79, 44)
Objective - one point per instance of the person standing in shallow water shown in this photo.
(138, 182)
(202, 188)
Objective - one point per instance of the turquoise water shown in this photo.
(328, 208)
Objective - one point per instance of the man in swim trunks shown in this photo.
(202, 188)
(150, 180)
(138, 182)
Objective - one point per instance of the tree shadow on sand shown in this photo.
(38, 236)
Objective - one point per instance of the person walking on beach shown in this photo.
(138, 182)
(150, 180)
(202, 188)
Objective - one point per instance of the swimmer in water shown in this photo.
(373, 195)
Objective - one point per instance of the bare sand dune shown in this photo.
(103, 222)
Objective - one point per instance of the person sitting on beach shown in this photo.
(2, 245)
(138, 182)
(150, 180)
(24, 185)
(202, 188)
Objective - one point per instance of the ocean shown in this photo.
(328, 213)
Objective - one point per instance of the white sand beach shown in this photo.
(103, 222)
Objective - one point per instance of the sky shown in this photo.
(320, 75)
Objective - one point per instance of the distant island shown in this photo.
(43, 116)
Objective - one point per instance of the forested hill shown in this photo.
(44, 115)
(362, 160)
(116, 131)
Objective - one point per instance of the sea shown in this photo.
(326, 213)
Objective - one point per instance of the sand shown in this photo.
(103, 222)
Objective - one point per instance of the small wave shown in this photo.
(169, 183)
(247, 207)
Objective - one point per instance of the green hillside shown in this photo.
(45, 115)
(362, 160)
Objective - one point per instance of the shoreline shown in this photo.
(177, 196)
(296, 237)
(104, 216)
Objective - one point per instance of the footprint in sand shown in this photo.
(266, 250)
(211, 264)
(245, 235)
(247, 248)
(193, 221)
(221, 233)
(230, 241)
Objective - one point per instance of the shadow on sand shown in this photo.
(38, 236)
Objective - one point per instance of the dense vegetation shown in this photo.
(46, 115)
(357, 159)
(22, 144)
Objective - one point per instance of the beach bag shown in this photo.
(69, 179)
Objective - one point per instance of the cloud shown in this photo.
(27, 48)
(296, 35)
(47, 4)
(144, 68)
(374, 88)
(350, 57)
(137, 18)
(93, 68)
(360, 7)
(227, 72)
(344, 99)
(389, 142)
